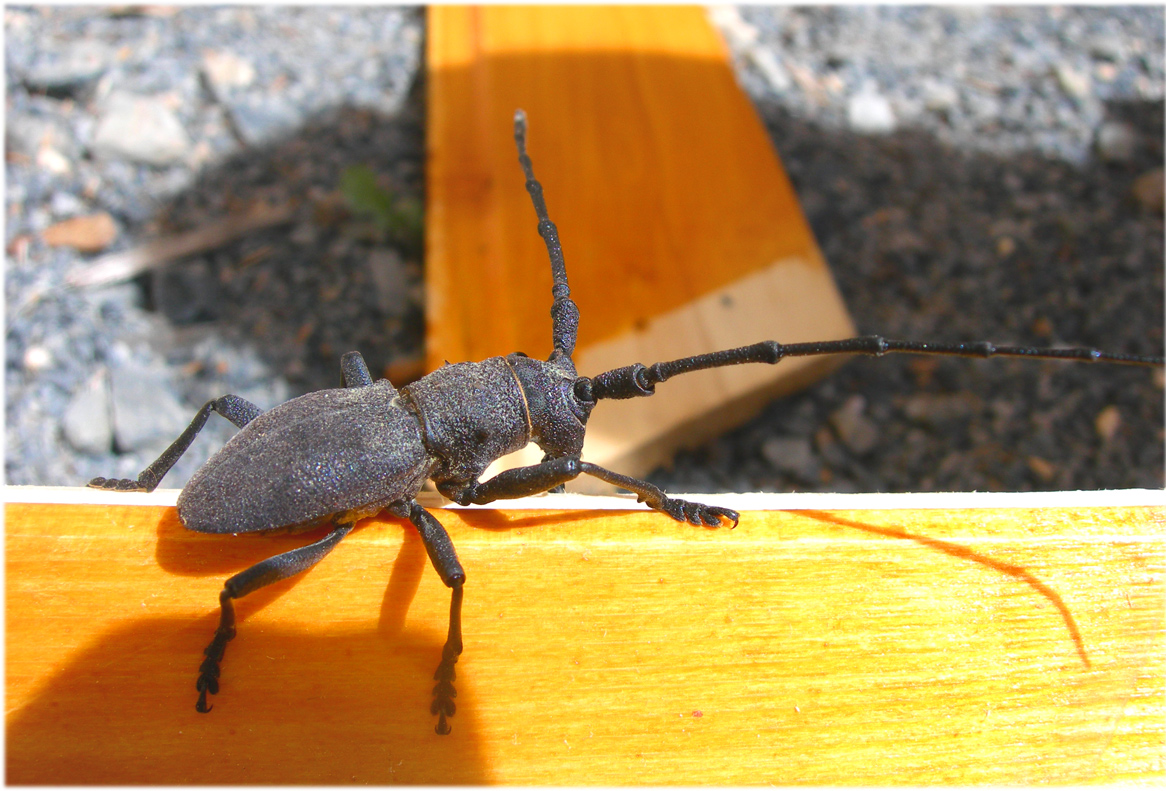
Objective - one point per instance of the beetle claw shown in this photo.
(717, 514)
(209, 670)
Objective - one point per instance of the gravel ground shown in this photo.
(970, 174)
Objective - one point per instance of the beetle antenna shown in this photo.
(640, 380)
(564, 312)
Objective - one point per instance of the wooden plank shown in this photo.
(987, 645)
(681, 230)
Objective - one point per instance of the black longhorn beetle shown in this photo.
(338, 456)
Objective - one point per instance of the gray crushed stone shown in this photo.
(969, 173)
(986, 213)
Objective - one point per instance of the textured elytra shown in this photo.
(320, 454)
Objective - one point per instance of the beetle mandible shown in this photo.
(337, 456)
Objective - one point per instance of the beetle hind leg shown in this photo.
(258, 576)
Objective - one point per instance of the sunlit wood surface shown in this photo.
(875, 647)
(681, 231)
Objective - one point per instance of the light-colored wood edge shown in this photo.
(741, 501)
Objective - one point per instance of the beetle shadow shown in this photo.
(334, 706)
(501, 520)
(412, 561)
(185, 552)
(962, 552)
(285, 688)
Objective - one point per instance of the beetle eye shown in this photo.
(582, 390)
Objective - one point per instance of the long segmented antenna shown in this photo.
(564, 312)
(640, 380)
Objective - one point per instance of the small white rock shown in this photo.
(870, 113)
(52, 160)
(226, 70)
(140, 129)
(939, 96)
(37, 358)
(1075, 83)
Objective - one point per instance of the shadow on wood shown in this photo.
(332, 706)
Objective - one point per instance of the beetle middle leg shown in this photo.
(444, 559)
(536, 478)
(238, 410)
(258, 576)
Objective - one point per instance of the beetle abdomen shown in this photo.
(317, 455)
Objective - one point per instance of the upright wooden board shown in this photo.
(985, 645)
(681, 231)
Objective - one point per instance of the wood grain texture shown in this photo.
(681, 231)
(604, 647)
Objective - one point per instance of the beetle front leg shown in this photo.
(654, 497)
(519, 482)
(238, 410)
(536, 478)
(444, 559)
(258, 576)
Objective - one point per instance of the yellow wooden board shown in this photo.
(681, 231)
(878, 646)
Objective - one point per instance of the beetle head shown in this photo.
(558, 418)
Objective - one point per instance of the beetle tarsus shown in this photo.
(209, 670)
(443, 692)
(208, 683)
(119, 485)
(694, 513)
